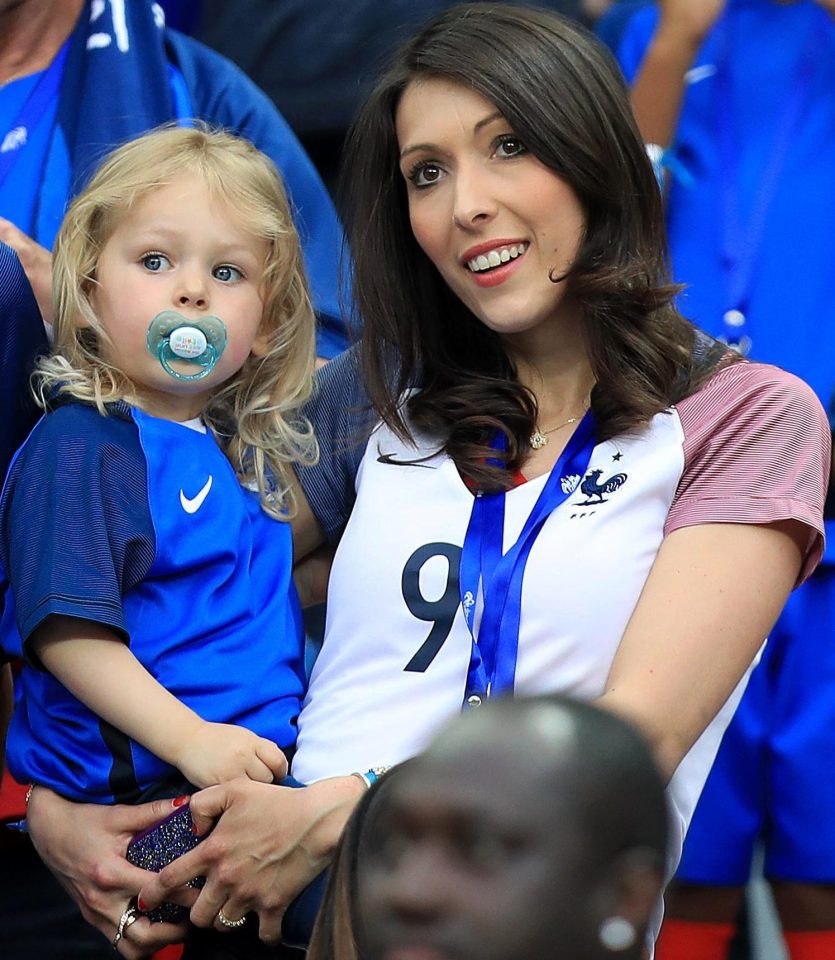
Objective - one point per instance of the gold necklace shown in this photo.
(539, 438)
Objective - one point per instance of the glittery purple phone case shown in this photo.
(156, 847)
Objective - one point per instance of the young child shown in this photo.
(142, 524)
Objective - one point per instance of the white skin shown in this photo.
(176, 248)
(686, 646)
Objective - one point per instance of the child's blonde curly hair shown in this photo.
(254, 415)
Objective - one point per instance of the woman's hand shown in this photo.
(268, 844)
(84, 846)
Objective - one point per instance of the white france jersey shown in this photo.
(748, 447)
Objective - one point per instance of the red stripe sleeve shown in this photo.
(756, 450)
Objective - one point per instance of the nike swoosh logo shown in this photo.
(389, 459)
(696, 74)
(193, 504)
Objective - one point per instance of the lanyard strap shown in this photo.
(741, 242)
(494, 652)
(44, 93)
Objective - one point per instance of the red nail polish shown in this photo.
(194, 829)
(141, 904)
(179, 801)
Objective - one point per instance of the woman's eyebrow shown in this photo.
(485, 121)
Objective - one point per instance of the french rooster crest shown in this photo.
(592, 488)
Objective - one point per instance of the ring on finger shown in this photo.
(127, 918)
(224, 921)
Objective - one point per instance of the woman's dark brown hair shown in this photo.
(563, 96)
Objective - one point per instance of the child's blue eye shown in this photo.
(227, 273)
(155, 262)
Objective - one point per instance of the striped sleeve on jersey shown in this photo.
(340, 413)
(756, 450)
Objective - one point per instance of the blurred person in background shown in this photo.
(735, 97)
(79, 77)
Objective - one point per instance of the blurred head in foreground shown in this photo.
(530, 828)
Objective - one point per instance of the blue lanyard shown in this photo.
(741, 241)
(493, 654)
(43, 94)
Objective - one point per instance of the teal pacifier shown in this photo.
(172, 337)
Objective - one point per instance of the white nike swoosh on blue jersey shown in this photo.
(695, 74)
(193, 504)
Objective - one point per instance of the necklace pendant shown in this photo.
(538, 440)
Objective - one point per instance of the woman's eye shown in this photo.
(425, 174)
(155, 262)
(227, 274)
(510, 147)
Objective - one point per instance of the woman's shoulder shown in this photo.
(752, 389)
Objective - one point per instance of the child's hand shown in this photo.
(216, 752)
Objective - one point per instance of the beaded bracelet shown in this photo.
(371, 776)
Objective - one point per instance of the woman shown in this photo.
(519, 336)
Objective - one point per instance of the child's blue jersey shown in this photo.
(140, 524)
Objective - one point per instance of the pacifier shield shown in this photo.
(172, 337)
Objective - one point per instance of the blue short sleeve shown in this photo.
(75, 526)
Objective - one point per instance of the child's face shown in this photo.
(179, 249)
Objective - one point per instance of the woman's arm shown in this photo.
(269, 843)
(712, 596)
(100, 670)
(84, 845)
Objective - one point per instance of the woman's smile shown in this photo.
(493, 262)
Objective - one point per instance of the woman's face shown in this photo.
(495, 221)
